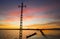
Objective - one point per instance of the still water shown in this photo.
(14, 34)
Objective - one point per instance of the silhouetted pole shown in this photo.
(21, 20)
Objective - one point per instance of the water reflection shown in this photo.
(14, 34)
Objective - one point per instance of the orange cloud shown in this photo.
(14, 13)
(10, 19)
(35, 17)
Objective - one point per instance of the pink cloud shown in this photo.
(28, 11)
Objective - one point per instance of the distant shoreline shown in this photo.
(33, 29)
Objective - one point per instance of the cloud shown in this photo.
(55, 13)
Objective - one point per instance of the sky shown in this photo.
(36, 12)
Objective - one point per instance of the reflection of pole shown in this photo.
(21, 19)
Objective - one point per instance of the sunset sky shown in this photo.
(36, 12)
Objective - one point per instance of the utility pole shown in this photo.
(21, 19)
(21, 22)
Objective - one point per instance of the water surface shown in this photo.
(14, 34)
